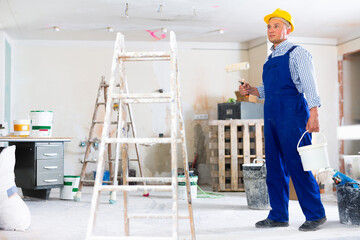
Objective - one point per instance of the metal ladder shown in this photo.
(101, 100)
(173, 98)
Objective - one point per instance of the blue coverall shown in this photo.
(285, 118)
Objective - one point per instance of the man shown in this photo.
(288, 74)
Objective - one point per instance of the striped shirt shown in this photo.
(301, 70)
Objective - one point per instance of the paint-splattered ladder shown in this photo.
(100, 104)
(122, 140)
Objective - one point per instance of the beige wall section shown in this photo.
(64, 77)
(349, 46)
(257, 56)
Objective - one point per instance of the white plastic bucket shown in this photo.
(22, 127)
(71, 184)
(182, 187)
(314, 157)
(41, 123)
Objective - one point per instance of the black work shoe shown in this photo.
(268, 223)
(312, 225)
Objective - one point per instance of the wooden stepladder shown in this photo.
(122, 140)
(100, 106)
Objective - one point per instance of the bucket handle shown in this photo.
(303, 136)
(258, 159)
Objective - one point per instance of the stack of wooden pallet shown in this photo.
(233, 143)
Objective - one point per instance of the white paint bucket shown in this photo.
(22, 128)
(71, 184)
(314, 157)
(182, 187)
(41, 123)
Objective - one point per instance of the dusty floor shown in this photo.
(223, 218)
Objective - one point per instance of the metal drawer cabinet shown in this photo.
(39, 167)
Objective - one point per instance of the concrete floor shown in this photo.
(223, 218)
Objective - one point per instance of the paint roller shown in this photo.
(238, 67)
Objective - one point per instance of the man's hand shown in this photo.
(247, 89)
(244, 89)
(313, 121)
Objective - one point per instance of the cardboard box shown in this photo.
(250, 98)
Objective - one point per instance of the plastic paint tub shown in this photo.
(71, 184)
(41, 123)
(182, 187)
(315, 156)
(22, 127)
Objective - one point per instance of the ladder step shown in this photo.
(144, 56)
(102, 122)
(143, 97)
(147, 216)
(149, 179)
(129, 238)
(147, 141)
(135, 188)
(100, 103)
(92, 181)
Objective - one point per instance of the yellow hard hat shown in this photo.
(280, 14)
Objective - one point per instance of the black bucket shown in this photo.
(349, 203)
(255, 186)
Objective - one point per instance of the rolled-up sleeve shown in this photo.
(261, 91)
(303, 74)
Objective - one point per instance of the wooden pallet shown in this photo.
(233, 143)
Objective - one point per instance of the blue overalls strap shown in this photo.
(288, 52)
(291, 49)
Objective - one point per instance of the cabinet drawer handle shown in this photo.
(50, 154)
(51, 167)
(50, 180)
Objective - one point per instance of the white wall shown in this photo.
(64, 77)
(2, 76)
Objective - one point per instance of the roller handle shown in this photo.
(242, 82)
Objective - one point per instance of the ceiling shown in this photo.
(196, 20)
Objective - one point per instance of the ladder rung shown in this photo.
(91, 181)
(149, 179)
(107, 85)
(100, 103)
(102, 122)
(144, 56)
(148, 141)
(147, 216)
(136, 188)
(143, 97)
(129, 238)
